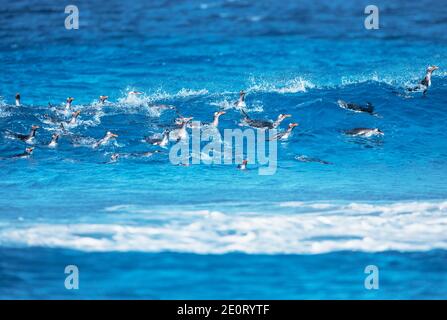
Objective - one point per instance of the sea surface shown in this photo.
(144, 228)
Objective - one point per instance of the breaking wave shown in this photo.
(303, 228)
(294, 85)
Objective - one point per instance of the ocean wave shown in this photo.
(146, 99)
(293, 85)
(402, 80)
(190, 92)
(313, 229)
(298, 84)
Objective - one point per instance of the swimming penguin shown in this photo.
(243, 165)
(114, 157)
(28, 138)
(74, 117)
(68, 103)
(109, 135)
(182, 133)
(310, 159)
(285, 134)
(364, 132)
(62, 128)
(149, 153)
(161, 142)
(215, 122)
(264, 124)
(54, 141)
(17, 99)
(28, 152)
(241, 102)
(426, 82)
(368, 108)
(102, 99)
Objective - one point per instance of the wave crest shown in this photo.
(294, 85)
(308, 228)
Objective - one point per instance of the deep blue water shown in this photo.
(144, 228)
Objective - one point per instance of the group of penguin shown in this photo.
(182, 123)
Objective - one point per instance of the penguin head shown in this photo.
(219, 113)
(111, 135)
(282, 116)
(243, 165)
(432, 68)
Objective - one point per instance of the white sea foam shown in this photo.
(134, 103)
(146, 99)
(294, 85)
(3, 113)
(314, 228)
(405, 79)
(189, 92)
(255, 106)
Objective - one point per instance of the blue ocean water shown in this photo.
(146, 229)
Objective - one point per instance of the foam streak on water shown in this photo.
(317, 228)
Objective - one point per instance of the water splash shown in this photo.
(294, 85)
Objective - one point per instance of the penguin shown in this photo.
(109, 135)
(161, 142)
(18, 100)
(54, 141)
(264, 124)
(243, 165)
(102, 99)
(240, 103)
(368, 108)
(28, 152)
(364, 132)
(283, 136)
(426, 82)
(28, 138)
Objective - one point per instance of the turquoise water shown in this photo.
(144, 228)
